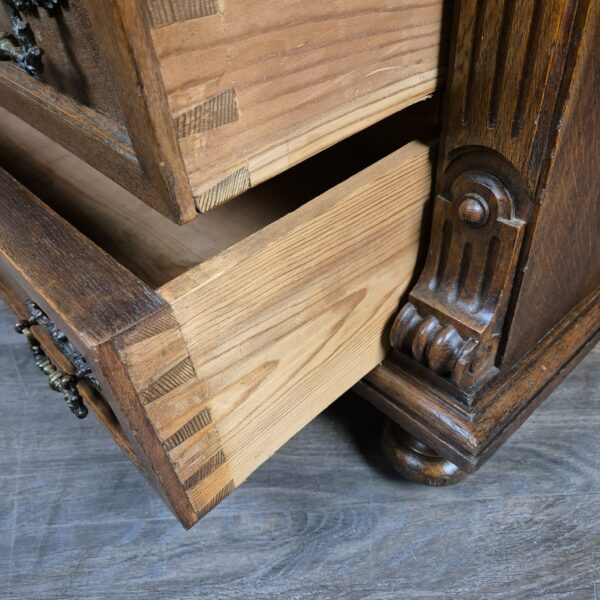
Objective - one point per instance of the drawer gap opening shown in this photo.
(157, 250)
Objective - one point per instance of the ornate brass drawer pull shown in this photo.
(61, 382)
(20, 45)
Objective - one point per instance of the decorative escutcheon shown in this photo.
(64, 383)
(20, 45)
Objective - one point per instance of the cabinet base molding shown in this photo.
(468, 436)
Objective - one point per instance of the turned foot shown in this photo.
(415, 461)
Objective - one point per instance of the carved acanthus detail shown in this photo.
(453, 320)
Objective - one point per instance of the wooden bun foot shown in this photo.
(415, 461)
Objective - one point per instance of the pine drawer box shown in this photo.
(187, 103)
(207, 359)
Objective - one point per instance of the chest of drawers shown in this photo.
(188, 103)
(204, 345)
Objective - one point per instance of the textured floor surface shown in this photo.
(324, 518)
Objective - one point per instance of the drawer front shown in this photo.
(91, 299)
(72, 99)
(72, 63)
(81, 393)
(213, 372)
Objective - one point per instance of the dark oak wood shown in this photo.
(73, 63)
(467, 436)
(415, 461)
(100, 140)
(566, 231)
(123, 31)
(493, 323)
(92, 298)
(15, 298)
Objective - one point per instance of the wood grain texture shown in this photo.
(92, 299)
(468, 437)
(15, 298)
(93, 136)
(143, 241)
(210, 114)
(233, 185)
(273, 350)
(304, 75)
(504, 81)
(166, 12)
(512, 71)
(567, 229)
(132, 363)
(454, 317)
(123, 31)
(73, 63)
(155, 249)
(323, 519)
(88, 294)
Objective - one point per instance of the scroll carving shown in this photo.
(453, 320)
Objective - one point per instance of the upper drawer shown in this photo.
(72, 62)
(215, 341)
(218, 96)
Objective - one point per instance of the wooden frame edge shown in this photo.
(468, 437)
(124, 34)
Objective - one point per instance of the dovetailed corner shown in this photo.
(210, 114)
(177, 376)
(208, 467)
(192, 427)
(167, 12)
(221, 495)
(230, 187)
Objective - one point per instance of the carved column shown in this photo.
(498, 131)
(514, 68)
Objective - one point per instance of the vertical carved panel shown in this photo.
(504, 98)
(501, 92)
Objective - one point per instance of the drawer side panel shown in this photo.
(286, 321)
(256, 87)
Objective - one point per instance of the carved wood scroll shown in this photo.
(453, 319)
(501, 116)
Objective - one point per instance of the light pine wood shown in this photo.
(255, 87)
(156, 249)
(284, 322)
(215, 97)
(204, 99)
(256, 339)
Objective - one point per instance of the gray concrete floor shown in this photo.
(324, 518)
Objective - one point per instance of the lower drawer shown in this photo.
(214, 342)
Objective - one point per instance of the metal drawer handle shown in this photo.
(57, 380)
(20, 45)
(61, 382)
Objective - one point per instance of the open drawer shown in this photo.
(213, 342)
(188, 103)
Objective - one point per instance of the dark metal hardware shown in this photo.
(61, 382)
(20, 45)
